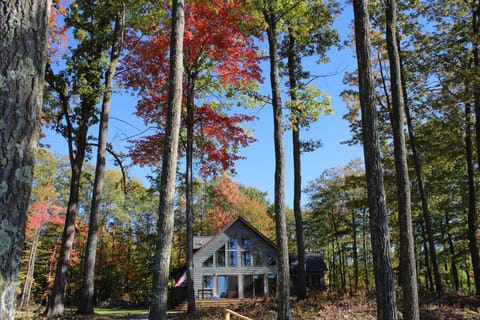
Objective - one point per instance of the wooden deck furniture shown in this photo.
(204, 294)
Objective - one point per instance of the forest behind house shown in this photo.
(398, 229)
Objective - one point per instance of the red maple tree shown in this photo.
(216, 47)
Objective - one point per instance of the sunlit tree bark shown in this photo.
(161, 268)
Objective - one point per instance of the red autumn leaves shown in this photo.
(219, 56)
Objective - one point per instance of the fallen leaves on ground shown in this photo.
(333, 306)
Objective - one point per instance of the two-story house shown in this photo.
(239, 262)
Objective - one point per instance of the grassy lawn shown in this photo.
(120, 312)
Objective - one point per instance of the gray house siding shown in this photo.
(243, 270)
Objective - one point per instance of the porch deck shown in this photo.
(219, 303)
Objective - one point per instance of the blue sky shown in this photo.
(258, 168)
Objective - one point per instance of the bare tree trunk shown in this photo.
(56, 302)
(451, 248)
(385, 290)
(189, 195)
(283, 280)
(355, 252)
(86, 302)
(365, 251)
(297, 192)
(476, 64)
(421, 186)
(428, 271)
(333, 269)
(408, 269)
(472, 212)
(161, 268)
(472, 218)
(27, 287)
(23, 38)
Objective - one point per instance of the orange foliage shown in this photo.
(57, 31)
(229, 202)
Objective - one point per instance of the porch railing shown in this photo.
(229, 312)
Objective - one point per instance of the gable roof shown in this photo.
(246, 223)
(313, 262)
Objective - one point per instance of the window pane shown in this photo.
(233, 243)
(245, 243)
(208, 262)
(208, 282)
(221, 257)
(246, 259)
(233, 259)
(222, 286)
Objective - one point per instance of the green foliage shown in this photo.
(310, 105)
(335, 220)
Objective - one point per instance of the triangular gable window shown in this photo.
(208, 262)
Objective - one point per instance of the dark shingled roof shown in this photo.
(313, 262)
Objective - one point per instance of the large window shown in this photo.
(240, 251)
(221, 256)
(246, 259)
(233, 249)
(207, 282)
(246, 255)
(227, 286)
(232, 258)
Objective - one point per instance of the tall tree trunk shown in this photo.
(23, 38)
(472, 218)
(451, 248)
(333, 269)
(283, 281)
(341, 260)
(365, 252)
(355, 252)
(427, 220)
(476, 64)
(417, 163)
(189, 195)
(161, 268)
(408, 269)
(56, 301)
(337, 243)
(428, 271)
(472, 199)
(86, 302)
(385, 290)
(297, 184)
(27, 287)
